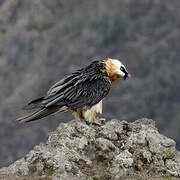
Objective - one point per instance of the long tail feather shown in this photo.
(37, 114)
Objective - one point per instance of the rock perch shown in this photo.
(114, 150)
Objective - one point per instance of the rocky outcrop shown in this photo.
(112, 150)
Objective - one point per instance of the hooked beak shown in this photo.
(127, 75)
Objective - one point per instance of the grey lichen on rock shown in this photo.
(113, 150)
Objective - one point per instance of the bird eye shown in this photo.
(121, 68)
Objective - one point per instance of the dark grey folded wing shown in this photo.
(78, 91)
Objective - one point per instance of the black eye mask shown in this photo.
(125, 72)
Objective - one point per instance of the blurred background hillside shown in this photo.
(42, 40)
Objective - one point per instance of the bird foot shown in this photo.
(96, 122)
(99, 121)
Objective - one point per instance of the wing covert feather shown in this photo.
(87, 93)
(79, 91)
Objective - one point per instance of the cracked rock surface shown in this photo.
(114, 150)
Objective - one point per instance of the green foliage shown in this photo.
(167, 177)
